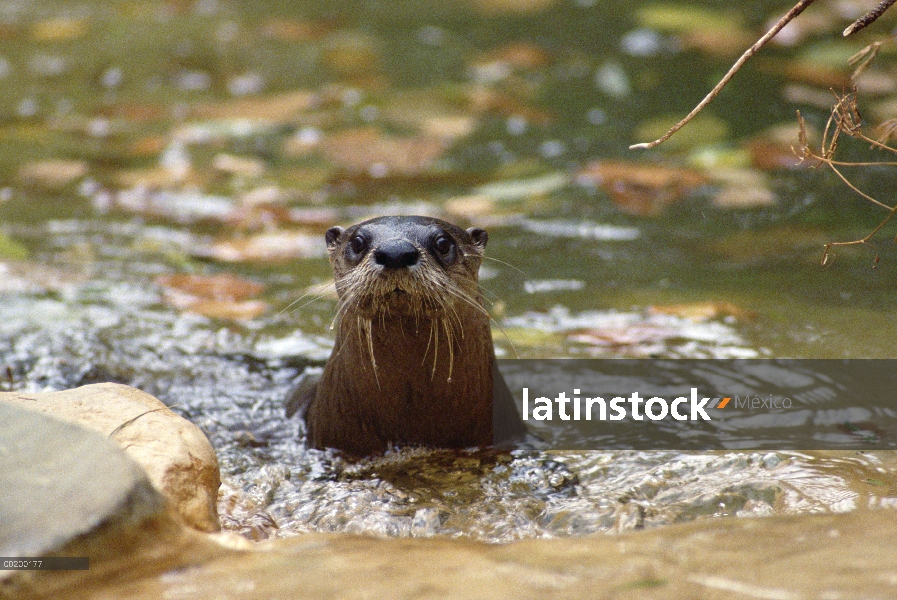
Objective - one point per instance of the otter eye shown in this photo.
(443, 245)
(358, 244)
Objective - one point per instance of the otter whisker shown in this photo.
(507, 264)
(316, 293)
(435, 330)
(451, 345)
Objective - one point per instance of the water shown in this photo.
(185, 142)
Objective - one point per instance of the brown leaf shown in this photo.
(233, 311)
(617, 337)
(488, 100)
(642, 189)
(52, 174)
(136, 113)
(273, 246)
(58, 30)
(295, 31)
(520, 55)
(704, 311)
(222, 296)
(498, 7)
(278, 108)
(722, 43)
(376, 154)
(223, 286)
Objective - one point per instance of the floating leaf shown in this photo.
(224, 286)
(704, 311)
(497, 7)
(222, 296)
(642, 189)
(58, 30)
(279, 108)
(379, 155)
(273, 246)
(52, 174)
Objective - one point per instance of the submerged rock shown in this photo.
(175, 454)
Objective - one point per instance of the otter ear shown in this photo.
(480, 237)
(332, 236)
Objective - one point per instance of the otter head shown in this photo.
(418, 266)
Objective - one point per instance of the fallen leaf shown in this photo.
(704, 311)
(234, 311)
(272, 246)
(379, 155)
(52, 174)
(238, 165)
(295, 31)
(497, 7)
(518, 55)
(718, 43)
(353, 54)
(224, 286)
(484, 99)
(469, 206)
(642, 189)
(137, 113)
(279, 108)
(58, 30)
(222, 296)
(637, 334)
(148, 146)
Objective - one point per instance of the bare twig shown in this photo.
(844, 118)
(864, 57)
(869, 17)
(795, 10)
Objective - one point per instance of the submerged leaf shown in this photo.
(642, 189)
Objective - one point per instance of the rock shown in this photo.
(819, 556)
(175, 454)
(69, 492)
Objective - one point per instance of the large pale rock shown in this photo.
(67, 491)
(174, 453)
(793, 558)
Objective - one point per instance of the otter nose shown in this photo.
(396, 254)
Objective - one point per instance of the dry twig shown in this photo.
(869, 17)
(845, 118)
(795, 10)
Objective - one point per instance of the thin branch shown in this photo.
(796, 10)
(869, 17)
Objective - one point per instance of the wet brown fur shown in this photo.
(413, 360)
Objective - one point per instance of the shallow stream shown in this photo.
(147, 145)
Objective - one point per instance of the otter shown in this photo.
(413, 363)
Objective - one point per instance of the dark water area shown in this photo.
(149, 146)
